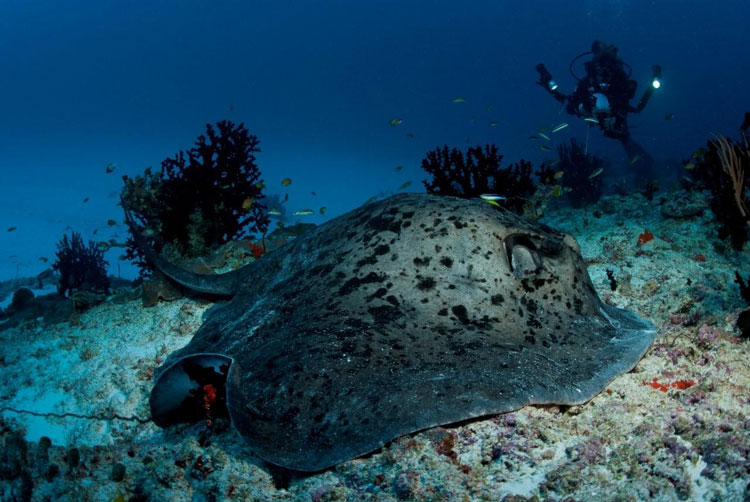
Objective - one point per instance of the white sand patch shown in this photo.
(99, 367)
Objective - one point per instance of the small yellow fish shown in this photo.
(545, 148)
(596, 173)
(554, 162)
(111, 223)
(542, 135)
(689, 165)
(286, 182)
(493, 123)
(558, 175)
(274, 212)
(10, 229)
(493, 202)
(405, 184)
(635, 159)
(323, 210)
(148, 232)
(489, 107)
(398, 168)
(303, 212)
(43, 259)
(699, 153)
(247, 203)
(458, 99)
(280, 224)
(396, 121)
(560, 127)
(103, 245)
(542, 129)
(260, 185)
(557, 191)
(111, 167)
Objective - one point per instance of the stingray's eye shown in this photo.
(523, 256)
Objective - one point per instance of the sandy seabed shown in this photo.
(677, 427)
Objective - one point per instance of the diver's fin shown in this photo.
(636, 153)
(217, 284)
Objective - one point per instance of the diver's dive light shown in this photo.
(655, 84)
(656, 78)
(545, 78)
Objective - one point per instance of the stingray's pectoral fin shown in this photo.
(192, 389)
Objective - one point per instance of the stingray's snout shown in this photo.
(192, 389)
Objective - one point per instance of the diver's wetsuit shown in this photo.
(603, 94)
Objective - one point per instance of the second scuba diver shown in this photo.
(602, 96)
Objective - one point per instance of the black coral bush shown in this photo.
(202, 197)
(468, 175)
(81, 267)
(581, 173)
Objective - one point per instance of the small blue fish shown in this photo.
(491, 196)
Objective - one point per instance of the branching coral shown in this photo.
(722, 167)
(202, 198)
(81, 267)
(580, 174)
(477, 172)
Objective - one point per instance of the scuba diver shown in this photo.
(602, 97)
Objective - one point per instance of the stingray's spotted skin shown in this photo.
(405, 314)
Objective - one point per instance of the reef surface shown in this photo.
(674, 428)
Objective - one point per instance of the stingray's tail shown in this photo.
(216, 284)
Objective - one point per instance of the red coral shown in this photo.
(682, 384)
(677, 384)
(699, 257)
(645, 237)
(209, 396)
(656, 385)
(256, 250)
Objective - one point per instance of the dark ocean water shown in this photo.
(86, 84)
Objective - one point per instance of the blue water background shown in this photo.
(85, 84)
